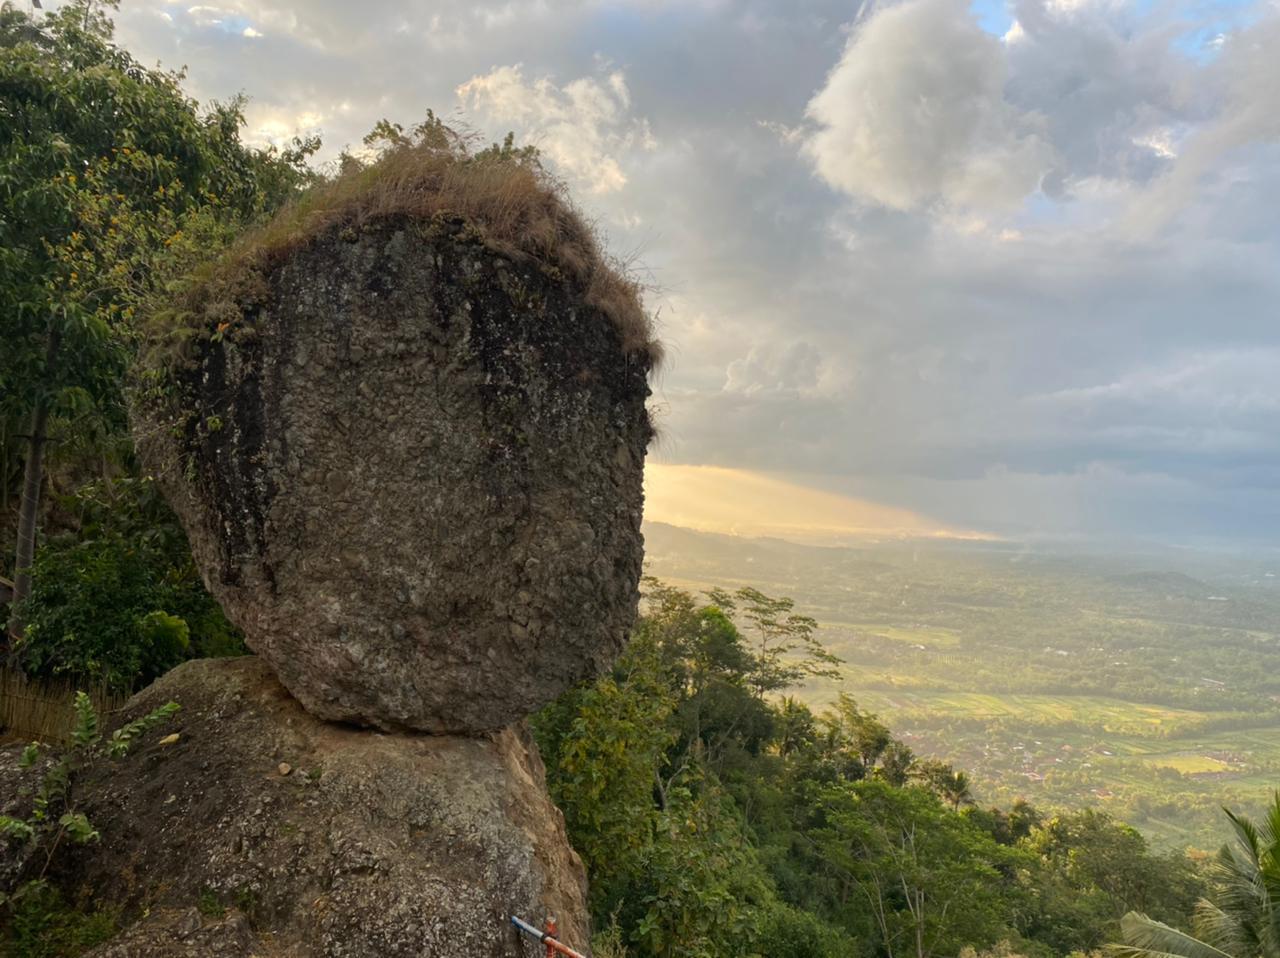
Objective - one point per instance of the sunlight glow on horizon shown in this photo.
(745, 503)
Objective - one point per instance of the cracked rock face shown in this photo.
(413, 478)
(395, 845)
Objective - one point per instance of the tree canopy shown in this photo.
(106, 166)
(720, 815)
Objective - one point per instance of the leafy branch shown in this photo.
(55, 817)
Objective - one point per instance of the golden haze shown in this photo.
(746, 503)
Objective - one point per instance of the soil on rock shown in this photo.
(372, 843)
(413, 477)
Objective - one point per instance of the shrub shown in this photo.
(120, 601)
(43, 925)
(787, 932)
(38, 924)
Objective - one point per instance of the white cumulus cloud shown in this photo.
(914, 115)
(584, 127)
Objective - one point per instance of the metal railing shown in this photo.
(546, 936)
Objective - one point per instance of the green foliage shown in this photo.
(107, 172)
(945, 782)
(54, 814)
(789, 932)
(101, 160)
(607, 765)
(1094, 853)
(84, 733)
(77, 829)
(210, 905)
(15, 828)
(717, 816)
(703, 886)
(120, 601)
(929, 880)
(1239, 917)
(608, 942)
(123, 738)
(42, 925)
(786, 650)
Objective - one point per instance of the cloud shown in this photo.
(1078, 101)
(914, 115)
(205, 16)
(998, 352)
(1243, 79)
(1114, 93)
(1210, 382)
(787, 368)
(583, 126)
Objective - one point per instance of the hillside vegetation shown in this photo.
(1074, 681)
(719, 815)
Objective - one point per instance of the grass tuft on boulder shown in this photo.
(500, 195)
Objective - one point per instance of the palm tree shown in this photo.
(956, 790)
(1242, 920)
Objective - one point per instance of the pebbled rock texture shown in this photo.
(412, 475)
(386, 844)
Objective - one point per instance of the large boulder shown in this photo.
(411, 472)
(265, 831)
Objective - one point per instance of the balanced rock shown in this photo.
(411, 471)
(387, 844)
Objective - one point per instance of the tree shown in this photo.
(1092, 850)
(120, 600)
(896, 763)
(930, 881)
(1240, 918)
(795, 729)
(786, 649)
(951, 786)
(608, 763)
(101, 163)
(848, 728)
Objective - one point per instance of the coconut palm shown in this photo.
(1242, 917)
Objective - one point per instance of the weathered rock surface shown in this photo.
(413, 478)
(374, 844)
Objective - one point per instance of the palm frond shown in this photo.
(1246, 836)
(1270, 831)
(1237, 880)
(1223, 929)
(1146, 938)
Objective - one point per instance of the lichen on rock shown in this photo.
(411, 469)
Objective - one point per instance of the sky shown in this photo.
(1008, 268)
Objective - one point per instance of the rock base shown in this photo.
(265, 831)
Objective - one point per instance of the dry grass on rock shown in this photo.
(501, 196)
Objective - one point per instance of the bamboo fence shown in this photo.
(40, 711)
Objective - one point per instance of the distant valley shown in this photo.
(1145, 684)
